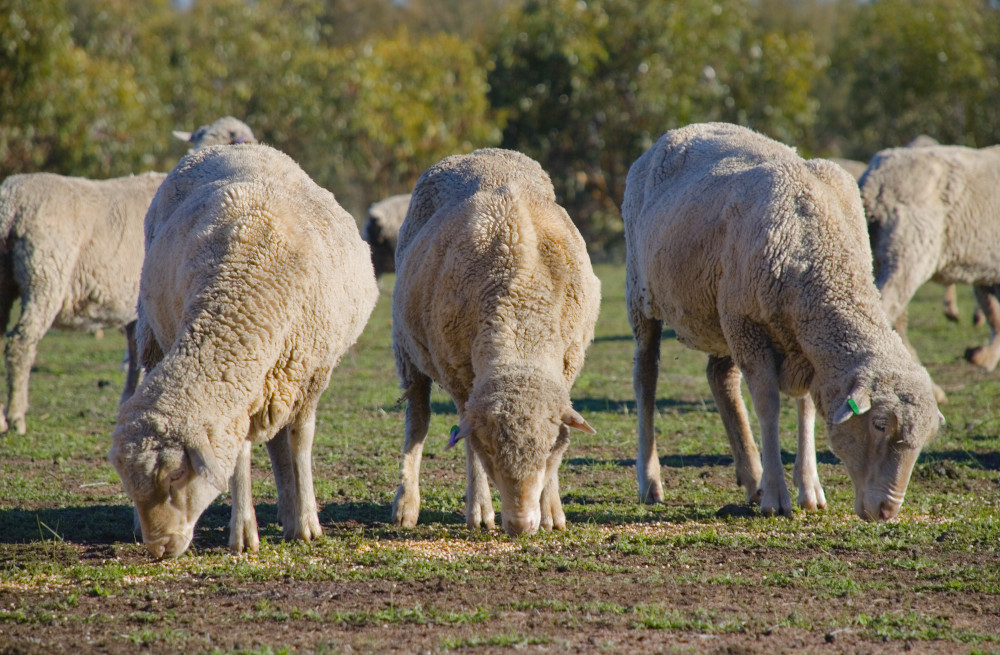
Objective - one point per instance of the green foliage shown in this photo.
(924, 67)
(366, 94)
(586, 87)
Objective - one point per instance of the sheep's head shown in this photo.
(224, 131)
(171, 484)
(878, 430)
(518, 425)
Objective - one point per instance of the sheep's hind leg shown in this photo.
(645, 370)
(243, 520)
(37, 315)
(804, 474)
(950, 302)
(300, 508)
(406, 504)
(724, 381)
(987, 356)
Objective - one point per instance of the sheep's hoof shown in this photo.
(405, 509)
(775, 504)
(19, 424)
(981, 357)
(653, 492)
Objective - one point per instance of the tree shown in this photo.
(918, 67)
(586, 87)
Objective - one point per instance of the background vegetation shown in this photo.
(366, 94)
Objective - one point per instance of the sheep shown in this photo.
(495, 300)
(761, 260)
(381, 230)
(934, 214)
(225, 130)
(71, 250)
(255, 283)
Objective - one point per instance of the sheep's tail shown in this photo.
(9, 206)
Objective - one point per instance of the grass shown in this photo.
(70, 563)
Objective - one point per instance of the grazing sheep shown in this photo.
(495, 300)
(224, 131)
(71, 250)
(934, 214)
(381, 231)
(761, 260)
(255, 283)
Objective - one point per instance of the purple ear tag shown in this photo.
(453, 438)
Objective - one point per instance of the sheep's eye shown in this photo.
(879, 424)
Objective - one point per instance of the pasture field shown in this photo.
(700, 573)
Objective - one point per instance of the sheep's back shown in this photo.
(259, 271)
(937, 207)
(721, 220)
(491, 271)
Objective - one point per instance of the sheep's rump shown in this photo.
(260, 273)
(51, 224)
(939, 204)
(720, 219)
(488, 265)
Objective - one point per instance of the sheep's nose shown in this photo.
(523, 524)
(887, 510)
(171, 545)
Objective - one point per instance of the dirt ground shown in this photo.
(204, 613)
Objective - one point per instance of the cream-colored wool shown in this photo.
(223, 131)
(934, 214)
(496, 301)
(255, 283)
(381, 230)
(72, 252)
(761, 260)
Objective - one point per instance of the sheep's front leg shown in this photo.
(645, 369)
(724, 381)
(806, 477)
(406, 504)
(987, 356)
(754, 354)
(301, 510)
(478, 499)
(243, 520)
(553, 517)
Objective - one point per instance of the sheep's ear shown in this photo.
(941, 420)
(203, 462)
(572, 419)
(858, 402)
(183, 136)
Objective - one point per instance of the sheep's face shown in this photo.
(879, 444)
(519, 454)
(170, 490)
(520, 435)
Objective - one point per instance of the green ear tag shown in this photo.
(853, 405)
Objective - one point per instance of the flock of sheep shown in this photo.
(248, 283)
